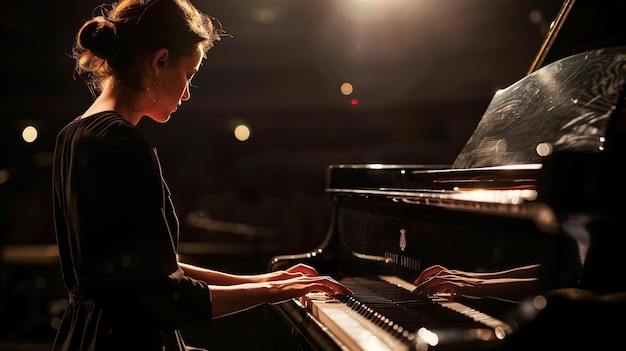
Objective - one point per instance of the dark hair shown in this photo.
(111, 43)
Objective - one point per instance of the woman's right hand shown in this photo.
(235, 298)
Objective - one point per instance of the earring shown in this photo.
(156, 92)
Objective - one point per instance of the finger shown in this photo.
(337, 288)
(436, 285)
(425, 287)
(428, 273)
(304, 269)
(422, 277)
(315, 287)
(342, 290)
(330, 285)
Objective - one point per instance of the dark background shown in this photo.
(423, 72)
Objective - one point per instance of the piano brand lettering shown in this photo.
(402, 239)
(403, 261)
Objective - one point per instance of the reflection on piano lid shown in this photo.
(565, 106)
(538, 182)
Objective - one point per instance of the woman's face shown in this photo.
(173, 85)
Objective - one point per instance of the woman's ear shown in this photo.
(159, 59)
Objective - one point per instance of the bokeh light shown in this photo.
(242, 132)
(346, 89)
(29, 134)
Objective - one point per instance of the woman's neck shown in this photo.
(124, 102)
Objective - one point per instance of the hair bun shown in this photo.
(99, 35)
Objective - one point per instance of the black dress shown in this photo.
(117, 234)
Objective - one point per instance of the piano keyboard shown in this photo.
(384, 315)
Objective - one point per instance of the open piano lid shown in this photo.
(563, 126)
(573, 105)
(567, 106)
(570, 104)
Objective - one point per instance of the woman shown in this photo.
(116, 227)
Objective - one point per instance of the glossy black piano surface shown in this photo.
(538, 182)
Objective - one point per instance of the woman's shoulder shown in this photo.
(106, 129)
(104, 122)
(106, 125)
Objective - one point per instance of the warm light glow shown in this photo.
(601, 147)
(29, 134)
(512, 196)
(265, 16)
(535, 16)
(55, 323)
(354, 101)
(478, 334)
(4, 176)
(364, 11)
(431, 338)
(242, 132)
(546, 220)
(540, 302)
(544, 149)
(346, 89)
(500, 332)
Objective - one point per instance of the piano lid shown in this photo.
(566, 101)
(567, 105)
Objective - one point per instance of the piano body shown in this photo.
(538, 182)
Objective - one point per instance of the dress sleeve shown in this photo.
(129, 234)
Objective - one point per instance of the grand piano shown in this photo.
(539, 182)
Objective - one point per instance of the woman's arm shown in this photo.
(231, 293)
(235, 298)
(511, 284)
(213, 277)
(529, 271)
